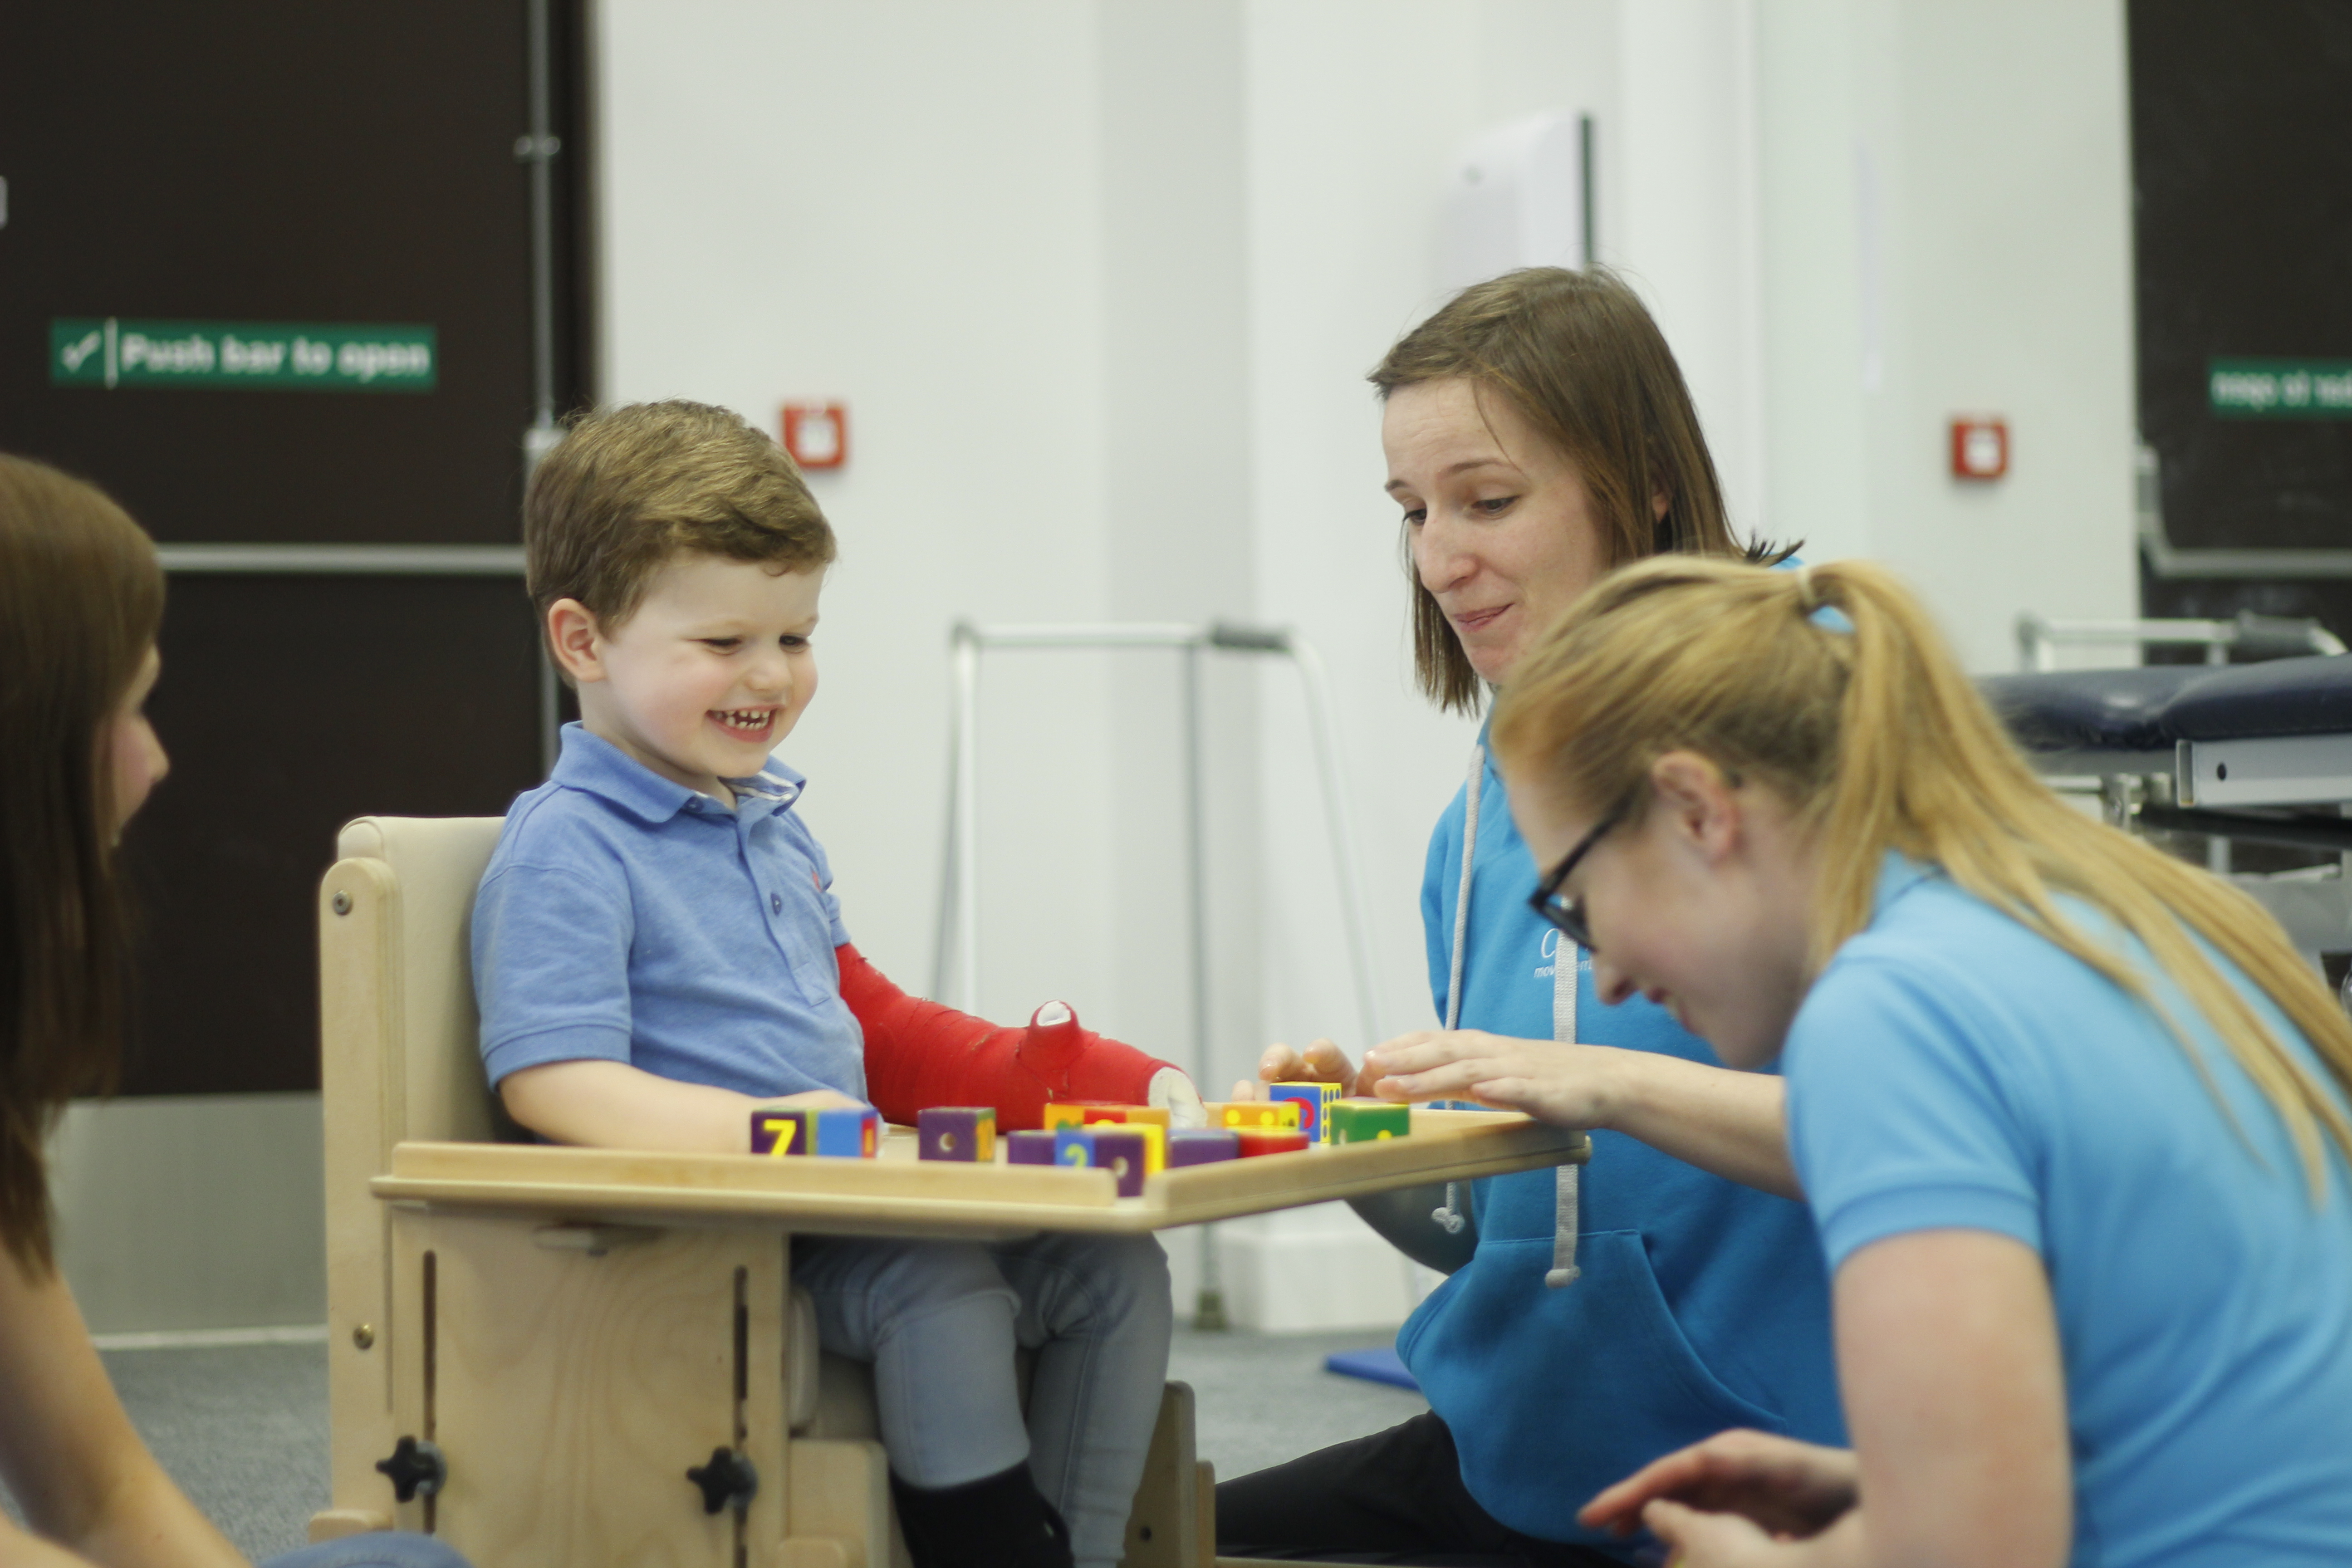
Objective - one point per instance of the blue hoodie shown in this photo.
(1702, 1304)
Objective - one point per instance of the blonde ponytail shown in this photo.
(1831, 687)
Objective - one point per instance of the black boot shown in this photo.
(998, 1522)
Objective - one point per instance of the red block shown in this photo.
(1256, 1141)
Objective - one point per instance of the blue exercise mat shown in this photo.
(1381, 1365)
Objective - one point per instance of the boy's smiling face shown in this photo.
(710, 674)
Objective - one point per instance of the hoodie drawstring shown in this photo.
(1565, 1221)
(1451, 1215)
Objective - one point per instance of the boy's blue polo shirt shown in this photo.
(625, 918)
(1951, 1069)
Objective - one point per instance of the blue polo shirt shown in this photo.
(625, 918)
(1952, 1070)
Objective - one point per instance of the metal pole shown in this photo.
(943, 936)
(538, 150)
(1343, 855)
(1209, 1305)
(967, 825)
(964, 840)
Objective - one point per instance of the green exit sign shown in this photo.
(2279, 388)
(109, 352)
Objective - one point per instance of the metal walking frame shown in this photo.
(955, 967)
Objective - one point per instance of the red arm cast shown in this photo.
(921, 1054)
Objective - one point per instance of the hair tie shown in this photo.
(1810, 605)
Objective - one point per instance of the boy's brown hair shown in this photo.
(628, 487)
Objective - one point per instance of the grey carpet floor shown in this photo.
(244, 1428)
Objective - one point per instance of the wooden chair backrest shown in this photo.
(399, 1060)
(432, 1079)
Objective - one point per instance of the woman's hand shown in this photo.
(1569, 1085)
(1785, 1487)
(1723, 1121)
(1322, 1062)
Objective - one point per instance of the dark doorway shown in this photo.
(2243, 187)
(272, 169)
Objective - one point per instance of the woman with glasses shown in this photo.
(1538, 434)
(2072, 1117)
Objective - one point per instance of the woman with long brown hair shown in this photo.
(81, 600)
(2072, 1117)
(1538, 434)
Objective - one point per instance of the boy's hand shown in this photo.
(1173, 1092)
(1322, 1062)
(821, 1098)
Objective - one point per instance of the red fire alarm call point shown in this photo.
(1979, 448)
(817, 434)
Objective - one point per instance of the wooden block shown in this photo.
(1201, 1148)
(1314, 1100)
(1073, 1146)
(778, 1131)
(1123, 1152)
(1155, 1145)
(1240, 1114)
(1029, 1148)
(956, 1133)
(1257, 1141)
(848, 1133)
(1362, 1121)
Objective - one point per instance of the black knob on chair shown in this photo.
(416, 1468)
(728, 1477)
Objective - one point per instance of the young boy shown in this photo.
(657, 951)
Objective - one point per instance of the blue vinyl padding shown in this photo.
(2149, 709)
(1381, 1365)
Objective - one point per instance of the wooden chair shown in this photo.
(539, 1388)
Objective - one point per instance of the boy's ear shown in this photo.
(572, 640)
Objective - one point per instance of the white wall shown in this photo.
(1945, 212)
(180, 1213)
(1101, 280)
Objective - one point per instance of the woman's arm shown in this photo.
(1956, 1397)
(612, 1105)
(84, 1480)
(1730, 1123)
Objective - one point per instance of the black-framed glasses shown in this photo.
(1565, 913)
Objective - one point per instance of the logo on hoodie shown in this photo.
(1547, 949)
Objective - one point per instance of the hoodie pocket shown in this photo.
(1552, 1394)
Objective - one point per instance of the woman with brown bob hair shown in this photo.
(1538, 434)
(81, 600)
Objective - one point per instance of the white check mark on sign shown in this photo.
(74, 353)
